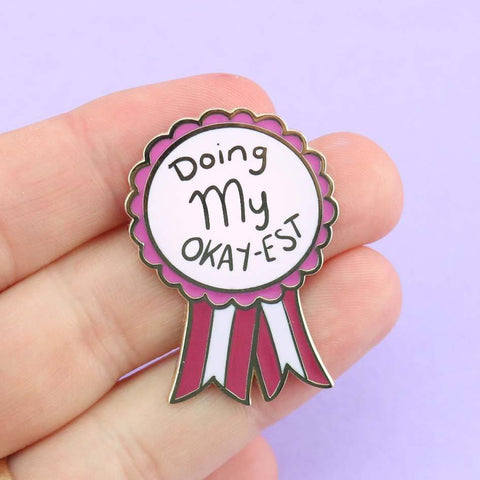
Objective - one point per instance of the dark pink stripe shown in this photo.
(314, 370)
(195, 349)
(240, 352)
(267, 358)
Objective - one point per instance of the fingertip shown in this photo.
(385, 284)
(368, 186)
(263, 458)
(352, 306)
(387, 204)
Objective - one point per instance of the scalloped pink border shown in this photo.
(138, 180)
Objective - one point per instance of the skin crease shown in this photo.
(68, 302)
(255, 461)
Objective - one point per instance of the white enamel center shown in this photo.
(207, 208)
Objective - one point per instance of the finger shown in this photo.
(108, 314)
(256, 461)
(368, 189)
(68, 174)
(133, 425)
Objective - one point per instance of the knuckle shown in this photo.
(133, 457)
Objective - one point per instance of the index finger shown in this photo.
(63, 181)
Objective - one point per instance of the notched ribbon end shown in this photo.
(228, 346)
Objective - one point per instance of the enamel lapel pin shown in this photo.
(234, 210)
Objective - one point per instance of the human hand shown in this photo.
(78, 310)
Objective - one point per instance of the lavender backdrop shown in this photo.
(405, 73)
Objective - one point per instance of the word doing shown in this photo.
(187, 167)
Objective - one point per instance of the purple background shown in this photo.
(404, 73)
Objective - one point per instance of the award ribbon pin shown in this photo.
(233, 210)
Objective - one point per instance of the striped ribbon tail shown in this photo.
(218, 348)
(226, 345)
(284, 344)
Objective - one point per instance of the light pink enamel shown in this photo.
(183, 129)
(215, 118)
(243, 118)
(157, 150)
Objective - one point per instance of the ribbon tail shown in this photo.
(315, 371)
(269, 369)
(193, 352)
(284, 343)
(241, 361)
(217, 348)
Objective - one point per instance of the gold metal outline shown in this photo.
(254, 369)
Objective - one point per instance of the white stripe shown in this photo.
(277, 320)
(218, 345)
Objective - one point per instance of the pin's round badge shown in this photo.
(233, 210)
